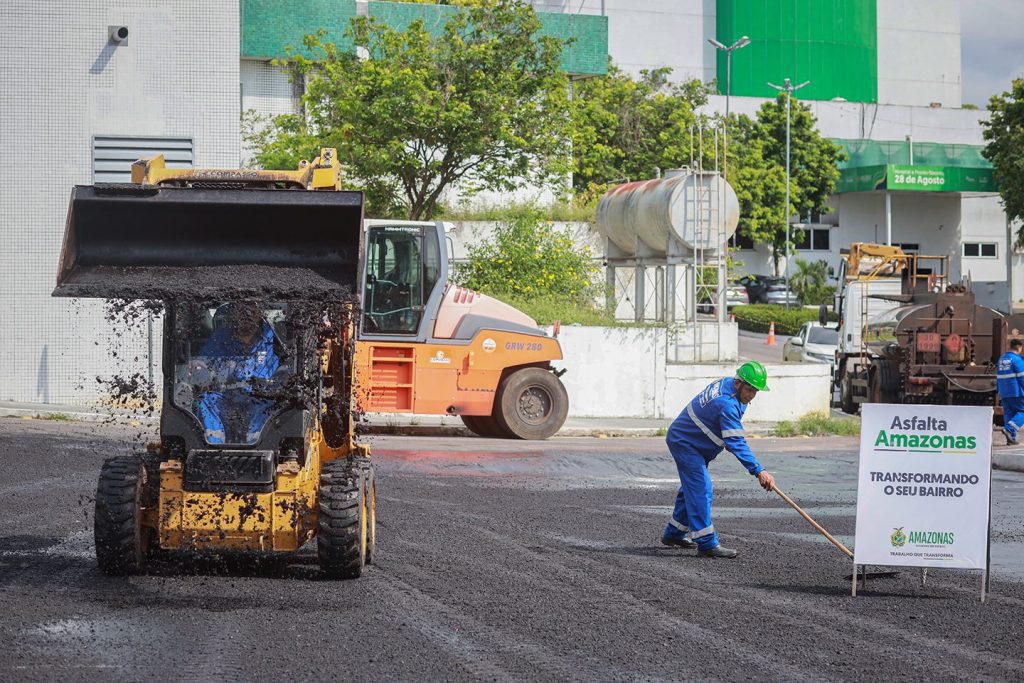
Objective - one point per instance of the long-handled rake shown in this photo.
(821, 530)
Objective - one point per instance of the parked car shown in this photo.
(757, 287)
(735, 295)
(781, 295)
(813, 343)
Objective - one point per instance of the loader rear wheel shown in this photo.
(531, 403)
(117, 526)
(343, 526)
(484, 425)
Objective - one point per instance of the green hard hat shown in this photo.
(754, 374)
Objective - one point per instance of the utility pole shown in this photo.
(789, 89)
(742, 42)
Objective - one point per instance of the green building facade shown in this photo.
(831, 43)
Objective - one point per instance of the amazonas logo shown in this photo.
(896, 439)
(900, 538)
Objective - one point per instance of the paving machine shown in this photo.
(259, 275)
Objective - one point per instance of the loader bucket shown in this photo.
(148, 242)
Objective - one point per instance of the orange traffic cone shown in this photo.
(770, 341)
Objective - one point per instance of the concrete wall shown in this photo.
(796, 389)
(868, 121)
(622, 372)
(64, 82)
(266, 91)
(649, 34)
(919, 52)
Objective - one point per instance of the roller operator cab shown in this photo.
(430, 347)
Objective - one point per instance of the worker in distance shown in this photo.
(1010, 384)
(708, 424)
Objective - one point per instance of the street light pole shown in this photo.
(742, 42)
(789, 89)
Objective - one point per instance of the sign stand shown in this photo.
(921, 494)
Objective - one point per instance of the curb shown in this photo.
(1011, 461)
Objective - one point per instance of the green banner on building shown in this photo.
(916, 179)
(940, 179)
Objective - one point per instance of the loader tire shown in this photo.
(117, 526)
(485, 425)
(531, 403)
(342, 535)
(365, 465)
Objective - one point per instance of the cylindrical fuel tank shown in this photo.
(950, 313)
(881, 331)
(698, 210)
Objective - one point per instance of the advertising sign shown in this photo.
(923, 490)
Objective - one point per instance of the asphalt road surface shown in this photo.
(503, 560)
(752, 346)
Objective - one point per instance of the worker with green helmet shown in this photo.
(709, 424)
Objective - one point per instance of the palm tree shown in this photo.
(808, 278)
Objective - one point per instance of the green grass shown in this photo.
(819, 424)
(58, 417)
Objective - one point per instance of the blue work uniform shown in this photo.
(234, 403)
(709, 424)
(1010, 383)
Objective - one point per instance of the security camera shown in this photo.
(118, 34)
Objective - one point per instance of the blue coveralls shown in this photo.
(708, 424)
(1010, 383)
(236, 404)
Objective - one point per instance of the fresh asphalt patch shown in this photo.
(503, 560)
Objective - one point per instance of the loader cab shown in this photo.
(404, 279)
(236, 373)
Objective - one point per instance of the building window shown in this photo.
(813, 239)
(908, 247)
(740, 240)
(980, 249)
(112, 157)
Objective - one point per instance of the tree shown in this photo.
(760, 186)
(810, 282)
(813, 158)
(757, 171)
(628, 128)
(484, 104)
(529, 257)
(1004, 132)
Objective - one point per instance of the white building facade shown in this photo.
(75, 104)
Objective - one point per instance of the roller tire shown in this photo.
(531, 403)
(485, 425)
(121, 541)
(342, 525)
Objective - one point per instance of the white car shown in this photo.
(812, 344)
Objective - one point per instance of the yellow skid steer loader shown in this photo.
(258, 272)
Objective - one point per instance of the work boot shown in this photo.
(718, 551)
(679, 542)
(1010, 440)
